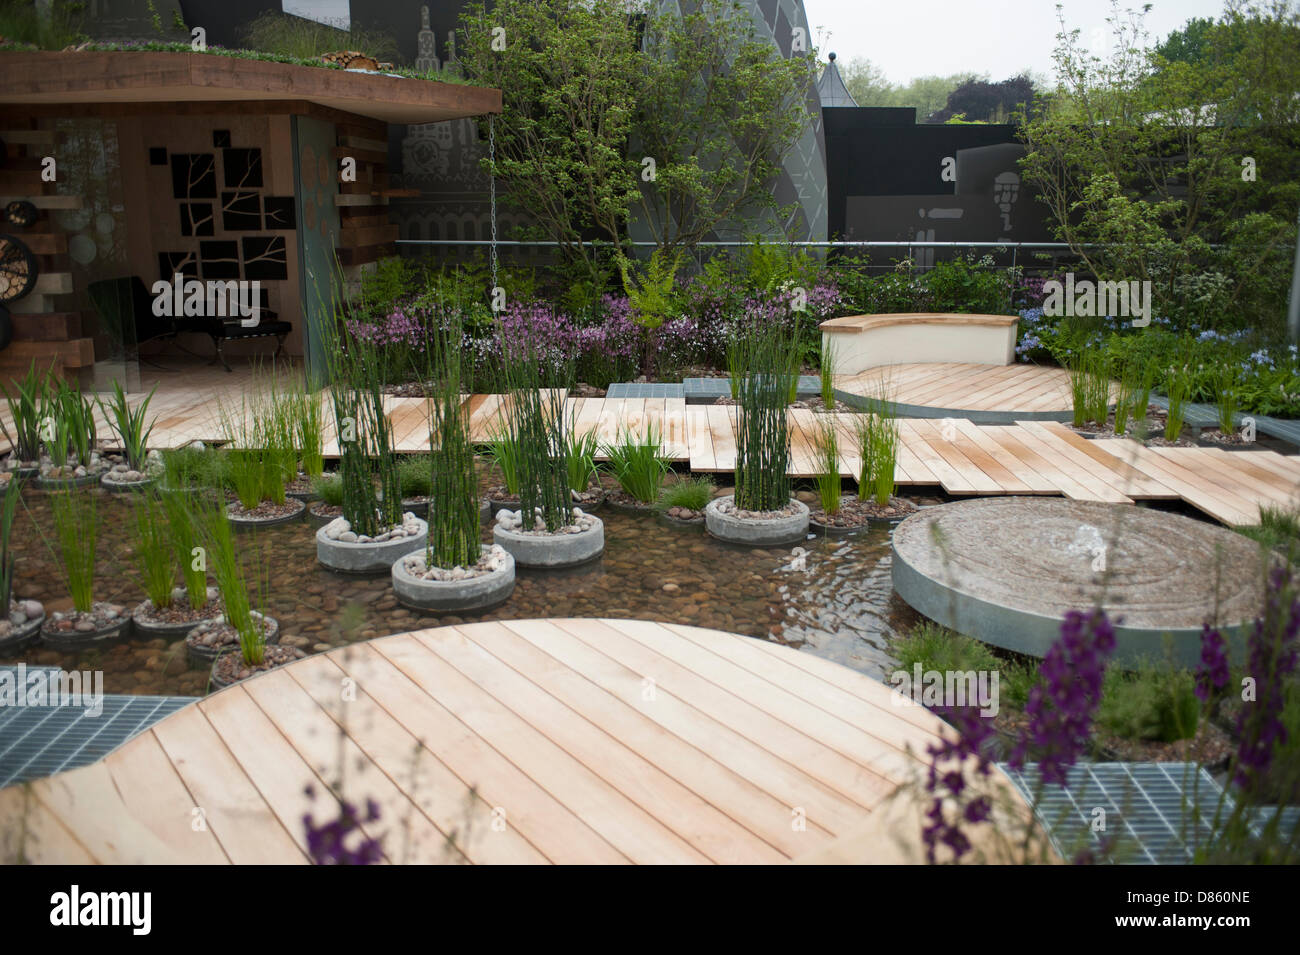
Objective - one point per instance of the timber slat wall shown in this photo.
(45, 331)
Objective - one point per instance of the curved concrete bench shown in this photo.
(868, 341)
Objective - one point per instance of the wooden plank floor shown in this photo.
(531, 741)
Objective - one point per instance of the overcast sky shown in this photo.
(910, 38)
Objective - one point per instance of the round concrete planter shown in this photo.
(294, 515)
(419, 506)
(830, 530)
(320, 520)
(475, 593)
(22, 635)
(123, 486)
(201, 654)
(484, 511)
(64, 484)
(497, 506)
(305, 496)
(148, 628)
(763, 532)
(368, 557)
(550, 551)
(74, 641)
(671, 521)
(220, 684)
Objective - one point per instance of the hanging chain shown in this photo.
(492, 194)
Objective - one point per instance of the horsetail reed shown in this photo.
(453, 485)
(762, 431)
(76, 527)
(536, 418)
(156, 559)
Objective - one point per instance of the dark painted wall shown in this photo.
(883, 153)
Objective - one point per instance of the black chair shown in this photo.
(126, 299)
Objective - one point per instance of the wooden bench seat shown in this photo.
(869, 341)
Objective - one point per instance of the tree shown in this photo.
(566, 70)
(1181, 172)
(985, 102)
(867, 83)
(718, 110)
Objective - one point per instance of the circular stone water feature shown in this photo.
(1007, 570)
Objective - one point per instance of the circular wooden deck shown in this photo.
(566, 741)
(977, 392)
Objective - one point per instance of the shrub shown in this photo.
(938, 648)
(414, 473)
(329, 487)
(1148, 704)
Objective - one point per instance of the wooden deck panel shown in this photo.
(543, 726)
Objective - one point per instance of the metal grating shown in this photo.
(720, 387)
(38, 741)
(638, 389)
(1158, 808)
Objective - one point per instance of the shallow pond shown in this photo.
(836, 601)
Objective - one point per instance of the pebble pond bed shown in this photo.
(836, 600)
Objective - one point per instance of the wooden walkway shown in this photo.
(1022, 457)
(563, 741)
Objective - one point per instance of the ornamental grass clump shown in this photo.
(827, 373)
(638, 464)
(692, 493)
(8, 507)
(876, 435)
(1180, 387)
(231, 576)
(186, 468)
(184, 533)
(503, 451)
(329, 488)
(826, 453)
(1227, 395)
(580, 456)
(1090, 387)
(762, 431)
(27, 410)
(76, 529)
(131, 425)
(453, 484)
(156, 557)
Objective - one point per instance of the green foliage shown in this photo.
(156, 559)
(638, 463)
(414, 475)
(567, 75)
(718, 108)
(827, 373)
(692, 493)
(1278, 529)
(1151, 703)
(304, 39)
(965, 284)
(580, 456)
(129, 425)
(76, 528)
(766, 356)
(876, 437)
(73, 424)
(1090, 387)
(21, 22)
(652, 292)
(26, 410)
(1140, 159)
(937, 648)
(1226, 397)
(453, 484)
(869, 86)
(826, 449)
(1179, 384)
(329, 488)
(187, 467)
(504, 452)
(184, 533)
(8, 507)
(231, 575)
